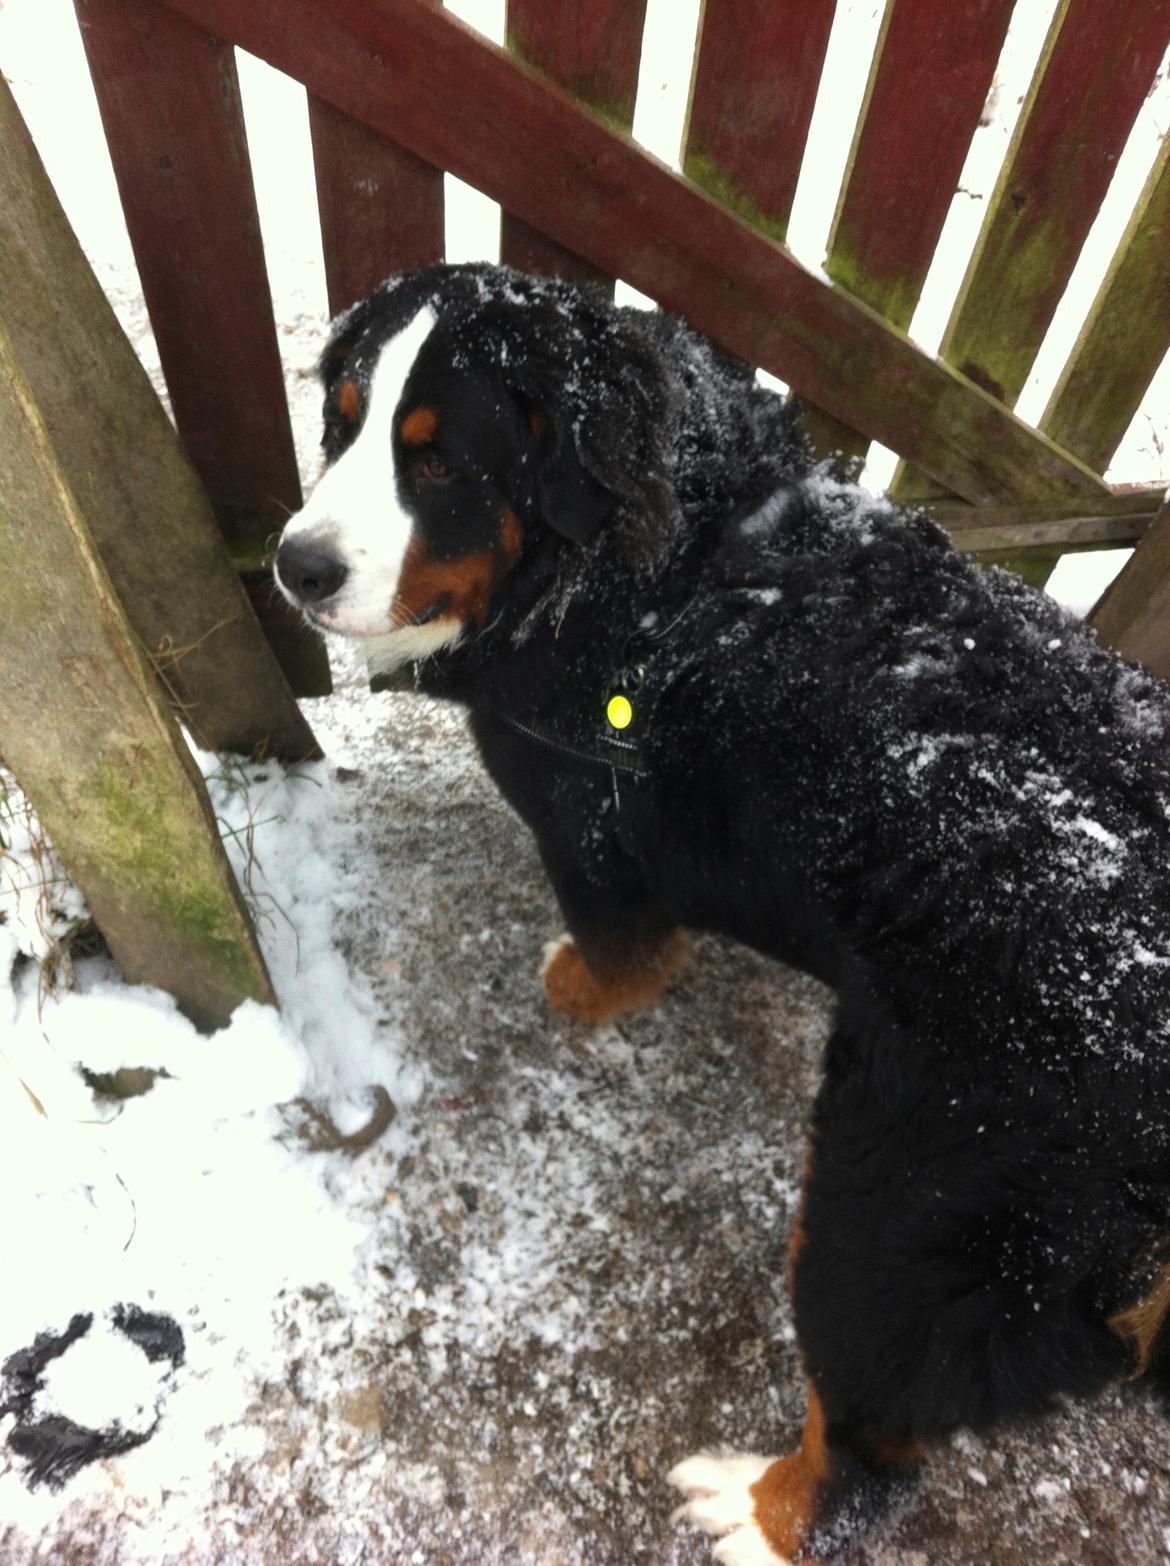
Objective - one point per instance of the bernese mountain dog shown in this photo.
(728, 691)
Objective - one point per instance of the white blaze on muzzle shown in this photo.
(355, 519)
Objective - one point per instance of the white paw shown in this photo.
(748, 1547)
(551, 950)
(719, 1500)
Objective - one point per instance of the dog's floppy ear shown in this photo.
(601, 404)
(568, 497)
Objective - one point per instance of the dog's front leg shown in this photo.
(621, 951)
(597, 981)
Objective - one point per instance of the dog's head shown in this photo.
(473, 418)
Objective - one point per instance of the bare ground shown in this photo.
(592, 1225)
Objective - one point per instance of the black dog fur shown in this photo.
(853, 751)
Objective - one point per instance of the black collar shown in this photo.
(609, 749)
(614, 737)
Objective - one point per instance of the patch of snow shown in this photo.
(180, 1200)
(103, 1379)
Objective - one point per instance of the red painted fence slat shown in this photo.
(420, 77)
(381, 207)
(756, 76)
(1101, 63)
(754, 88)
(932, 70)
(932, 73)
(1125, 337)
(170, 104)
(528, 250)
(592, 49)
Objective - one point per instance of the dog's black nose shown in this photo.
(312, 575)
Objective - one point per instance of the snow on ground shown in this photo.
(195, 1199)
(333, 1304)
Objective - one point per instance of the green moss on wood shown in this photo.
(896, 298)
(152, 847)
(998, 325)
(702, 170)
(1124, 337)
(617, 116)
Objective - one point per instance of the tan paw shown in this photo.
(570, 987)
(628, 981)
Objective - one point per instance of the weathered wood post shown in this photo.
(142, 501)
(1133, 615)
(85, 729)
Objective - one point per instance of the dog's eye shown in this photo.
(433, 469)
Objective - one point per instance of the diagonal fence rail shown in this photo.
(400, 91)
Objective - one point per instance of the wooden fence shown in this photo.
(399, 90)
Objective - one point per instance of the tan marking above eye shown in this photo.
(537, 422)
(348, 401)
(419, 426)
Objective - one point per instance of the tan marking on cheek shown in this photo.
(537, 422)
(348, 401)
(419, 426)
(466, 583)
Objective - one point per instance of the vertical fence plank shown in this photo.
(146, 508)
(1092, 78)
(591, 48)
(1072, 131)
(932, 72)
(84, 728)
(170, 105)
(381, 207)
(1134, 613)
(1125, 336)
(757, 72)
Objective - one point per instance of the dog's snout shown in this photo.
(310, 575)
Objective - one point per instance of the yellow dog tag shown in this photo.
(619, 712)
